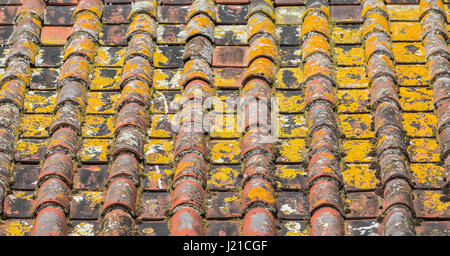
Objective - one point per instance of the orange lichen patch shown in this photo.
(34, 125)
(98, 126)
(158, 151)
(292, 151)
(419, 124)
(291, 126)
(356, 126)
(403, 12)
(358, 150)
(353, 101)
(290, 101)
(40, 101)
(223, 177)
(408, 52)
(412, 75)
(225, 126)
(359, 176)
(266, 47)
(349, 56)
(295, 228)
(375, 22)
(346, 34)
(166, 79)
(351, 77)
(288, 78)
(101, 102)
(94, 150)
(416, 98)
(17, 228)
(29, 149)
(427, 174)
(261, 193)
(423, 150)
(405, 31)
(289, 15)
(161, 126)
(288, 176)
(110, 56)
(429, 204)
(105, 79)
(224, 151)
(315, 23)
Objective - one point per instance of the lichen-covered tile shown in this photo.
(224, 177)
(289, 78)
(346, 34)
(289, 15)
(292, 125)
(294, 228)
(230, 35)
(431, 204)
(405, 31)
(158, 151)
(170, 34)
(403, 12)
(291, 177)
(168, 56)
(40, 102)
(101, 102)
(29, 150)
(356, 126)
(359, 177)
(44, 78)
(351, 77)
(291, 151)
(228, 77)
(224, 126)
(86, 205)
(84, 228)
(423, 150)
(420, 124)
(358, 150)
(34, 125)
(19, 204)
(427, 175)
(225, 101)
(157, 177)
(224, 151)
(153, 228)
(290, 101)
(98, 126)
(349, 55)
(223, 205)
(16, 227)
(105, 79)
(161, 126)
(410, 52)
(110, 56)
(165, 102)
(416, 98)
(433, 228)
(363, 228)
(353, 101)
(166, 79)
(94, 150)
(289, 56)
(412, 75)
(288, 34)
(292, 205)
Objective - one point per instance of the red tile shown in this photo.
(230, 56)
(363, 205)
(154, 205)
(223, 228)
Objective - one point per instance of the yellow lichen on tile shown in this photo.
(292, 151)
(428, 174)
(403, 12)
(223, 176)
(225, 126)
(113, 59)
(351, 57)
(291, 126)
(289, 78)
(98, 126)
(358, 150)
(405, 31)
(105, 79)
(158, 151)
(431, 203)
(416, 99)
(161, 126)
(353, 101)
(101, 102)
(410, 52)
(419, 124)
(225, 151)
(289, 102)
(17, 228)
(95, 150)
(356, 125)
(424, 150)
(359, 176)
(166, 79)
(40, 102)
(296, 229)
(93, 197)
(412, 75)
(34, 125)
(351, 77)
(346, 35)
(288, 15)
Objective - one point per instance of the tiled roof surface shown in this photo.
(136, 118)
